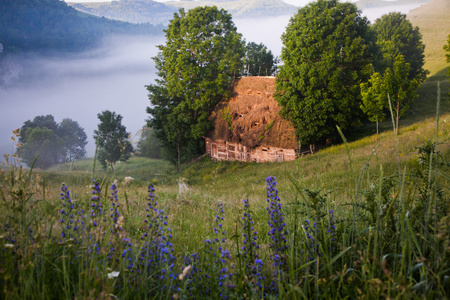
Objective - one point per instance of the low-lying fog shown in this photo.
(112, 77)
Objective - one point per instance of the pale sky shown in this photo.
(293, 2)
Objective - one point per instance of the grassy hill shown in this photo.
(433, 19)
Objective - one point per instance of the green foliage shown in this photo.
(44, 143)
(374, 100)
(52, 143)
(259, 61)
(447, 55)
(226, 115)
(202, 55)
(74, 139)
(51, 24)
(327, 54)
(149, 145)
(401, 89)
(112, 139)
(394, 86)
(396, 36)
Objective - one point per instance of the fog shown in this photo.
(80, 86)
(111, 77)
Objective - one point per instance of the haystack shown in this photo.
(251, 116)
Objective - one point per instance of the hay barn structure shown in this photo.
(247, 127)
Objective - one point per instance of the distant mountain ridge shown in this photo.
(140, 11)
(52, 24)
(364, 4)
(133, 11)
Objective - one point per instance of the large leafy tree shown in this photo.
(259, 60)
(74, 139)
(200, 59)
(328, 51)
(397, 36)
(112, 139)
(47, 121)
(52, 142)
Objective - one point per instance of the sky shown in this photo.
(293, 2)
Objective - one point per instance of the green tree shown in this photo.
(447, 55)
(74, 139)
(328, 51)
(401, 89)
(47, 121)
(200, 59)
(52, 142)
(39, 138)
(397, 36)
(112, 139)
(43, 143)
(149, 145)
(259, 60)
(374, 99)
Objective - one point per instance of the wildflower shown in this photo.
(277, 231)
(113, 274)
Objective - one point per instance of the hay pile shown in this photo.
(250, 116)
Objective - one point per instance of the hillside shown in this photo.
(52, 24)
(363, 4)
(433, 20)
(140, 11)
(134, 11)
(239, 8)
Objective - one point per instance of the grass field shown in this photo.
(364, 219)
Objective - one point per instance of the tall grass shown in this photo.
(385, 235)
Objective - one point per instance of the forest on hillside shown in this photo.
(53, 25)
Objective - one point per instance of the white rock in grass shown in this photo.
(127, 179)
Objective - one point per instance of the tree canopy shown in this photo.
(328, 51)
(52, 142)
(259, 61)
(374, 99)
(74, 139)
(397, 36)
(200, 59)
(447, 54)
(149, 145)
(112, 139)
